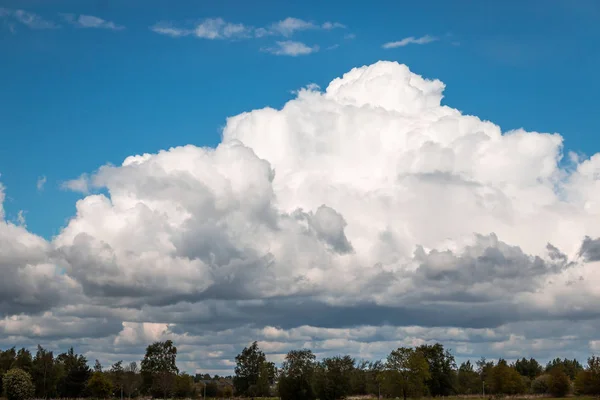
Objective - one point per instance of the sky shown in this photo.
(334, 175)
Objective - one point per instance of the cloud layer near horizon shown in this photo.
(353, 220)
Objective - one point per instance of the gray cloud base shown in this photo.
(352, 220)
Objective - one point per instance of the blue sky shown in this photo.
(389, 220)
(73, 99)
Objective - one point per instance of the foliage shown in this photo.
(333, 378)
(99, 386)
(558, 384)
(295, 381)
(184, 386)
(570, 367)
(407, 372)
(73, 372)
(468, 381)
(17, 385)
(529, 368)
(132, 379)
(541, 384)
(159, 368)
(505, 380)
(253, 374)
(588, 381)
(45, 373)
(442, 366)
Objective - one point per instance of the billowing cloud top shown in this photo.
(351, 220)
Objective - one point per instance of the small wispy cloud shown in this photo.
(291, 48)
(40, 183)
(30, 20)
(332, 25)
(218, 28)
(350, 36)
(90, 21)
(80, 185)
(210, 28)
(21, 219)
(165, 28)
(287, 27)
(410, 40)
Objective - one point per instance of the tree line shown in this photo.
(407, 372)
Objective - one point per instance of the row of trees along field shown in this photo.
(427, 370)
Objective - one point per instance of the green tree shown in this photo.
(570, 367)
(117, 377)
(74, 373)
(333, 378)
(529, 368)
(23, 360)
(407, 372)
(558, 384)
(504, 379)
(266, 378)
(184, 386)
(17, 385)
(159, 367)
(442, 370)
(7, 359)
(132, 380)
(540, 385)
(588, 381)
(297, 371)
(45, 374)
(248, 369)
(99, 386)
(468, 381)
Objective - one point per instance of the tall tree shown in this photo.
(468, 381)
(442, 370)
(99, 386)
(407, 372)
(132, 379)
(504, 379)
(248, 370)
(570, 367)
(529, 368)
(117, 377)
(45, 373)
(333, 378)
(75, 374)
(23, 360)
(558, 384)
(97, 366)
(7, 359)
(297, 371)
(159, 367)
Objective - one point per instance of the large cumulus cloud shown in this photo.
(351, 220)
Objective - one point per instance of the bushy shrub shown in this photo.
(559, 383)
(17, 385)
(99, 386)
(540, 384)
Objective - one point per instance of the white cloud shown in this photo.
(80, 185)
(291, 48)
(168, 29)
(332, 25)
(288, 26)
(410, 40)
(90, 21)
(31, 20)
(218, 28)
(354, 219)
(41, 182)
